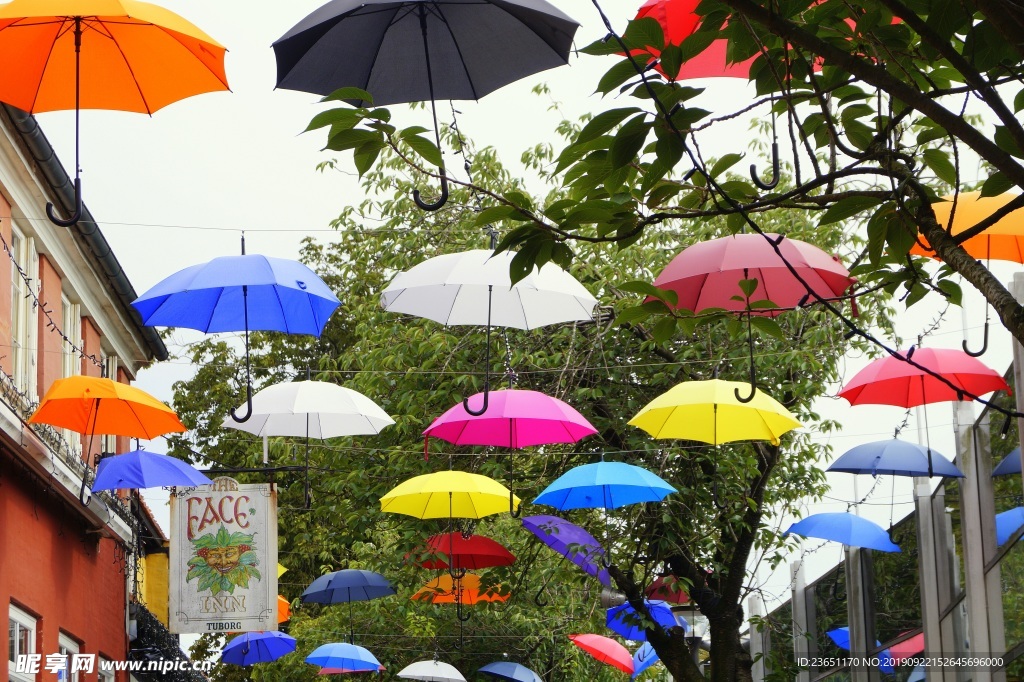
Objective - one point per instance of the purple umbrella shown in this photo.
(571, 541)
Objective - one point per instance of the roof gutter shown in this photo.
(87, 231)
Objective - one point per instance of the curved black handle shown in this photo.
(776, 176)
(463, 617)
(518, 510)
(753, 391)
(753, 376)
(714, 496)
(75, 217)
(248, 406)
(537, 597)
(457, 574)
(984, 344)
(441, 201)
(605, 561)
(477, 413)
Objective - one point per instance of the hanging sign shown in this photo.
(223, 561)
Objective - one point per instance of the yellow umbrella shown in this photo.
(1004, 240)
(449, 494)
(708, 411)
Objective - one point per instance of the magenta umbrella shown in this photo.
(514, 419)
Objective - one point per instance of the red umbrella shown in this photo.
(907, 648)
(605, 650)
(892, 381)
(672, 593)
(707, 274)
(473, 552)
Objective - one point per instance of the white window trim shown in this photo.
(25, 255)
(68, 647)
(101, 674)
(26, 621)
(109, 443)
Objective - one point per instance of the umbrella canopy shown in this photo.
(513, 419)
(709, 411)
(841, 638)
(456, 551)
(239, 293)
(707, 274)
(604, 484)
(257, 647)
(896, 458)
(347, 585)
(431, 671)
(1011, 464)
(142, 469)
(94, 405)
(507, 670)
(1002, 241)
(908, 647)
(346, 671)
(892, 381)
(317, 409)
(448, 494)
(605, 650)
(284, 610)
(418, 50)
(918, 674)
(572, 542)
(844, 527)
(1007, 524)
(643, 658)
(623, 619)
(342, 655)
(453, 289)
(465, 590)
(671, 592)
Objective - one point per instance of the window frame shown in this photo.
(23, 314)
(24, 620)
(68, 646)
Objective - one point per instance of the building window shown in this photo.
(21, 640)
(110, 367)
(71, 325)
(23, 312)
(66, 648)
(103, 673)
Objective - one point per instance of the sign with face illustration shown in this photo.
(223, 560)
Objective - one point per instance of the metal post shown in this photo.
(859, 610)
(760, 638)
(928, 551)
(1017, 289)
(803, 642)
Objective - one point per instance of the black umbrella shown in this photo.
(417, 50)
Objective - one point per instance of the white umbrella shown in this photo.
(453, 289)
(431, 671)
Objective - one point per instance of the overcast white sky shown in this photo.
(176, 189)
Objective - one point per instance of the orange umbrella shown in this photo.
(93, 406)
(465, 590)
(1002, 241)
(284, 610)
(102, 54)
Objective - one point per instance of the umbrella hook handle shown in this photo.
(605, 561)
(518, 510)
(714, 497)
(460, 613)
(442, 199)
(753, 375)
(538, 598)
(487, 365)
(984, 341)
(75, 217)
(248, 368)
(248, 407)
(776, 176)
(50, 213)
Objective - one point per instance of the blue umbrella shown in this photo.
(643, 659)
(841, 637)
(507, 670)
(1010, 465)
(571, 541)
(917, 674)
(348, 585)
(340, 655)
(895, 458)
(623, 619)
(604, 484)
(257, 647)
(1007, 524)
(241, 293)
(142, 469)
(844, 527)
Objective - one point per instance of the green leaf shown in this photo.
(340, 118)
(671, 60)
(1018, 101)
(725, 163)
(996, 184)
(603, 122)
(648, 289)
(616, 76)
(1006, 142)
(669, 148)
(426, 149)
(952, 291)
(352, 138)
(847, 207)
(767, 325)
(350, 94)
(939, 162)
(521, 265)
(664, 330)
(629, 140)
(366, 154)
(748, 286)
(493, 214)
(644, 33)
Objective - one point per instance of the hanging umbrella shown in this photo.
(1011, 464)
(284, 610)
(1007, 523)
(572, 542)
(346, 671)
(605, 650)
(257, 647)
(124, 55)
(507, 670)
(643, 659)
(447, 494)
(896, 458)
(710, 412)
(671, 592)
(460, 552)
(844, 527)
(418, 50)
(142, 469)
(604, 484)
(624, 621)
(464, 590)
(241, 293)
(841, 638)
(892, 381)
(908, 647)
(348, 585)
(918, 674)
(431, 671)
(342, 655)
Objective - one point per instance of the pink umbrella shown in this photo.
(606, 650)
(907, 648)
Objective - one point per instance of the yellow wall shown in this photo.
(154, 587)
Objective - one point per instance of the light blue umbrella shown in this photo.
(623, 619)
(1007, 524)
(257, 647)
(342, 655)
(143, 469)
(643, 659)
(841, 637)
(507, 670)
(604, 484)
(917, 674)
(1011, 464)
(844, 527)
(896, 458)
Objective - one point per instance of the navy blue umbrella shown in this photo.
(604, 484)
(841, 637)
(643, 659)
(507, 670)
(347, 656)
(348, 585)
(142, 469)
(896, 458)
(1007, 524)
(1011, 464)
(844, 527)
(257, 647)
(623, 619)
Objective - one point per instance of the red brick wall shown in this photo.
(51, 345)
(52, 568)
